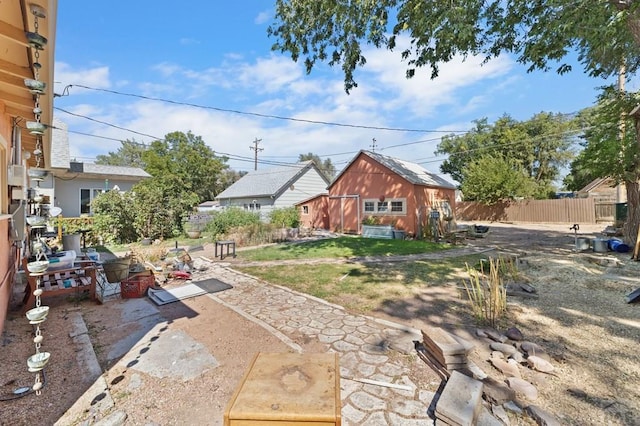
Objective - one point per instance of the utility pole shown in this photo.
(373, 145)
(256, 149)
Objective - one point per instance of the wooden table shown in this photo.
(288, 389)
(222, 244)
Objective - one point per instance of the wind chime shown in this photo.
(37, 268)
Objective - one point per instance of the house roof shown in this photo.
(268, 182)
(594, 184)
(119, 171)
(412, 172)
(61, 159)
(313, 197)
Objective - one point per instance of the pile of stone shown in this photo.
(517, 359)
(447, 352)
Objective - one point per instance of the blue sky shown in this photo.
(217, 55)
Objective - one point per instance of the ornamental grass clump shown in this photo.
(486, 292)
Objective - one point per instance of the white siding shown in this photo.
(308, 185)
(67, 192)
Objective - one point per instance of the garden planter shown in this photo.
(377, 231)
(193, 234)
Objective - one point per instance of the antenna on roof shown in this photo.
(373, 145)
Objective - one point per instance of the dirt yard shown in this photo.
(578, 316)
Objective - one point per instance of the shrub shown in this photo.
(288, 217)
(222, 222)
(371, 220)
(113, 217)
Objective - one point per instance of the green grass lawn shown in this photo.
(342, 247)
(363, 287)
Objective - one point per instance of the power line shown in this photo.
(255, 114)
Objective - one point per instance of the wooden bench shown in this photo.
(62, 281)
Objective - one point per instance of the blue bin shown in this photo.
(618, 245)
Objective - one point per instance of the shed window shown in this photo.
(395, 206)
(305, 209)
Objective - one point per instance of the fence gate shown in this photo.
(605, 210)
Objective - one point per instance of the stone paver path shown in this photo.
(366, 347)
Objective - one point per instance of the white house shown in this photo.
(278, 187)
(72, 185)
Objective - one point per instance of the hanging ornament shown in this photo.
(37, 315)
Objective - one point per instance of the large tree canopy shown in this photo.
(129, 154)
(326, 166)
(540, 147)
(540, 33)
(189, 161)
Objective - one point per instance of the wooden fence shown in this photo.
(564, 210)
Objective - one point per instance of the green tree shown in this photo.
(187, 160)
(610, 152)
(541, 147)
(326, 167)
(129, 154)
(541, 34)
(491, 178)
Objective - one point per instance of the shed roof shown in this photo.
(412, 172)
(267, 182)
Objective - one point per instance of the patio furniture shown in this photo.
(229, 244)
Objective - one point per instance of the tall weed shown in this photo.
(486, 292)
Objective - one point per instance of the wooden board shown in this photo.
(288, 389)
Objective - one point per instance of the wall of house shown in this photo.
(317, 216)
(7, 267)
(427, 199)
(606, 192)
(67, 192)
(309, 184)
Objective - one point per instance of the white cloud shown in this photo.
(263, 17)
(92, 77)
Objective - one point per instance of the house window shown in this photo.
(305, 209)
(252, 207)
(86, 196)
(395, 206)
